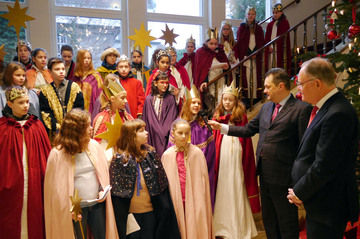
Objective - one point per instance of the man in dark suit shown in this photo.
(280, 124)
(324, 170)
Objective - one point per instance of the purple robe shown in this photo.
(91, 89)
(159, 128)
(203, 139)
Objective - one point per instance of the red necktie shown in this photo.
(313, 113)
(276, 111)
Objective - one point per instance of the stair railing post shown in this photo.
(315, 33)
(325, 33)
(305, 37)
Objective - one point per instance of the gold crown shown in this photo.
(170, 49)
(250, 8)
(213, 33)
(190, 40)
(112, 89)
(191, 94)
(15, 92)
(231, 89)
(278, 7)
(227, 22)
(162, 53)
(136, 48)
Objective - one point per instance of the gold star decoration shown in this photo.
(2, 52)
(113, 132)
(142, 37)
(75, 202)
(17, 17)
(169, 35)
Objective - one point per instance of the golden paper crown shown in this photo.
(15, 92)
(213, 33)
(136, 48)
(278, 7)
(112, 89)
(124, 58)
(231, 89)
(190, 40)
(191, 94)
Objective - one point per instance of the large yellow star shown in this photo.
(75, 202)
(169, 36)
(113, 132)
(17, 17)
(142, 37)
(2, 52)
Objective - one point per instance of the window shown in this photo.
(176, 7)
(183, 30)
(20, 1)
(96, 4)
(94, 34)
(236, 9)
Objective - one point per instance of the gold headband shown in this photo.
(15, 92)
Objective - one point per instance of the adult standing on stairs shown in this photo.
(280, 124)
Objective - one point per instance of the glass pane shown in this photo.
(20, 1)
(9, 39)
(97, 4)
(236, 9)
(176, 7)
(93, 34)
(183, 30)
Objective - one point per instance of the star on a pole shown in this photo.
(17, 17)
(75, 202)
(113, 132)
(169, 35)
(2, 52)
(142, 37)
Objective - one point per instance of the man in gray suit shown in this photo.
(280, 124)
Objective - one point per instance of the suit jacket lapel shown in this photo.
(285, 109)
(269, 113)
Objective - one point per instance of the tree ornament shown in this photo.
(354, 30)
(332, 34)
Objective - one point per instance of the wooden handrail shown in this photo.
(295, 1)
(260, 50)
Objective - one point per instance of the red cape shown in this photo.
(281, 28)
(203, 60)
(187, 58)
(248, 163)
(242, 49)
(12, 176)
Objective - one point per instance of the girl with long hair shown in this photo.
(235, 173)
(87, 78)
(38, 75)
(15, 74)
(160, 110)
(77, 163)
(140, 186)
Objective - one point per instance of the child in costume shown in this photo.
(140, 186)
(24, 149)
(227, 39)
(188, 60)
(113, 99)
(186, 169)
(160, 110)
(237, 186)
(108, 58)
(201, 136)
(211, 61)
(38, 76)
(15, 75)
(88, 79)
(250, 38)
(140, 71)
(77, 166)
(133, 87)
(24, 54)
(59, 97)
(275, 28)
(67, 55)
